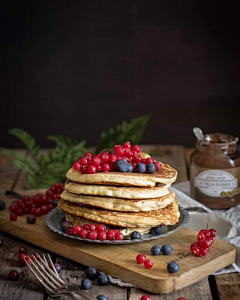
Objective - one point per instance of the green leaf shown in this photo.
(131, 131)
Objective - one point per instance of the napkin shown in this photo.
(225, 222)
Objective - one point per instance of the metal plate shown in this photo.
(56, 216)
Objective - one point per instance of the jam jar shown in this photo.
(215, 171)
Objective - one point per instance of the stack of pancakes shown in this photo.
(129, 201)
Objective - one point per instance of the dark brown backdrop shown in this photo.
(78, 67)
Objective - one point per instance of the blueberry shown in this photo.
(129, 168)
(140, 168)
(86, 284)
(92, 273)
(103, 279)
(58, 268)
(156, 250)
(167, 249)
(172, 267)
(122, 166)
(65, 225)
(157, 230)
(102, 297)
(112, 152)
(135, 235)
(151, 168)
(2, 205)
(55, 202)
(31, 219)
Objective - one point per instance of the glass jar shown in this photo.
(215, 171)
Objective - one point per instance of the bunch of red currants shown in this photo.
(205, 240)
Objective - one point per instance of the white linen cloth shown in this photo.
(225, 222)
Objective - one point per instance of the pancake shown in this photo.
(166, 216)
(117, 191)
(125, 231)
(165, 175)
(118, 204)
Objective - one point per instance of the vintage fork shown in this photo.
(51, 280)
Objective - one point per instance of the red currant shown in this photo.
(101, 227)
(136, 148)
(149, 160)
(83, 161)
(70, 231)
(19, 202)
(86, 226)
(1, 242)
(13, 275)
(102, 235)
(26, 210)
(110, 235)
(148, 264)
(213, 233)
(99, 168)
(146, 297)
(119, 150)
(127, 145)
(53, 188)
(83, 233)
(104, 157)
(96, 161)
(38, 212)
(19, 212)
(13, 217)
(181, 298)
(195, 250)
(211, 241)
(92, 235)
(25, 198)
(83, 170)
(50, 206)
(208, 233)
(205, 243)
(44, 209)
(88, 154)
(118, 236)
(22, 206)
(203, 251)
(137, 159)
(112, 158)
(77, 229)
(12, 208)
(28, 203)
(201, 235)
(158, 165)
(32, 211)
(91, 169)
(92, 226)
(76, 166)
(141, 258)
(106, 167)
(21, 255)
(43, 200)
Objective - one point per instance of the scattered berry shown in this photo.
(1, 242)
(157, 230)
(102, 297)
(141, 258)
(172, 267)
(2, 205)
(31, 219)
(58, 267)
(92, 273)
(158, 165)
(13, 217)
(135, 235)
(156, 250)
(38, 212)
(86, 284)
(13, 275)
(148, 264)
(146, 297)
(22, 255)
(103, 279)
(167, 249)
(19, 212)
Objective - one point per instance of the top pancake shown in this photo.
(166, 175)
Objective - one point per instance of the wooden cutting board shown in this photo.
(120, 261)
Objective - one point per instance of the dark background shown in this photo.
(78, 67)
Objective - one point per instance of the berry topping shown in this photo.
(86, 284)
(141, 258)
(103, 279)
(96, 161)
(77, 229)
(65, 225)
(148, 264)
(84, 161)
(101, 227)
(112, 158)
(92, 235)
(106, 167)
(135, 235)
(83, 233)
(76, 166)
(118, 236)
(156, 250)
(172, 267)
(2, 205)
(92, 273)
(105, 157)
(13, 275)
(110, 235)
(146, 297)
(136, 148)
(157, 230)
(31, 219)
(91, 169)
(158, 165)
(119, 150)
(38, 212)
(122, 165)
(149, 161)
(88, 154)
(151, 168)
(140, 168)
(167, 249)
(102, 236)
(92, 226)
(127, 145)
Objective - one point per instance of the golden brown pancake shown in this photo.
(118, 204)
(166, 216)
(117, 191)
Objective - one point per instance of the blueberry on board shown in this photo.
(151, 168)
(103, 279)
(172, 267)
(140, 168)
(92, 273)
(122, 165)
(157, 230)
(102, 297)
(129, 168)
(65, 225)
(86, 284)
(135, 235)
(167, 249)
(55, 202)
(31, 219)
(156, 250)
(58, 268)
(2, 205)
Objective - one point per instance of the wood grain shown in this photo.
(228, 286)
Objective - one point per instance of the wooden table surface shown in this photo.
(221, 287)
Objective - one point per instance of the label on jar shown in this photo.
(215, 183)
